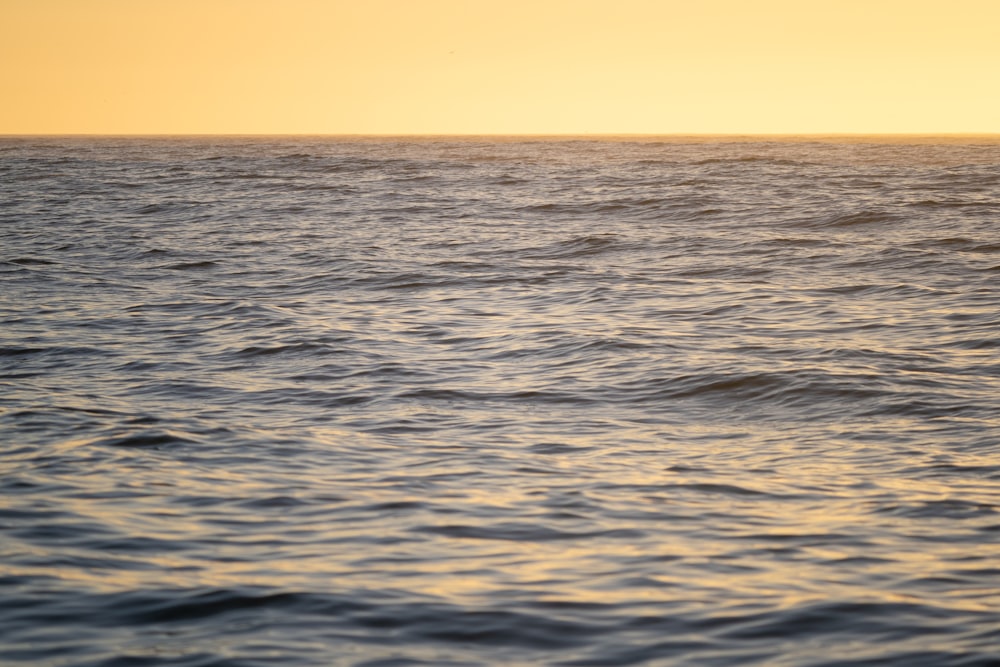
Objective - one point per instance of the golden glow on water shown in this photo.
(736, 396)
(705, 564)
(512, 67)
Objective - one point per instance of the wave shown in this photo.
(147, 438)
(580, 246)
(677, 208)
(378, 627)
(431, 402)
(855, 219)
(190, 266)
(752, 159)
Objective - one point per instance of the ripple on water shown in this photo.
(480, 402)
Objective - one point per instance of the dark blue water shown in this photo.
(305, 401)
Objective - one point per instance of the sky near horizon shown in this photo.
(492, 67)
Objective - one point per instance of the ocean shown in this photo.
(388, 402)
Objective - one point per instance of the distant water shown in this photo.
(499, 402)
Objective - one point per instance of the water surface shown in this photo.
(313, 401)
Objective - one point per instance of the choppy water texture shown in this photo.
(482, 402)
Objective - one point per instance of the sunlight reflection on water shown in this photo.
(498, 402)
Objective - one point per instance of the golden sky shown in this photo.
(491, 66)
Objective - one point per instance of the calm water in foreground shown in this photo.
(390, 403)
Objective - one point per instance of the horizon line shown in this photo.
(457, 134)
(519, 135)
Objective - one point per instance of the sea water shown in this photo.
(499, 401)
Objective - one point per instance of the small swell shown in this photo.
(18, 351)
(145, 439)
(801, 389)
(750, 159)
(581, 246)
(961, 244)
(940, 509)
(856, 219)
(293, 348)
(953, 204)
(523, 532)
(175, 608)
(190, 266)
